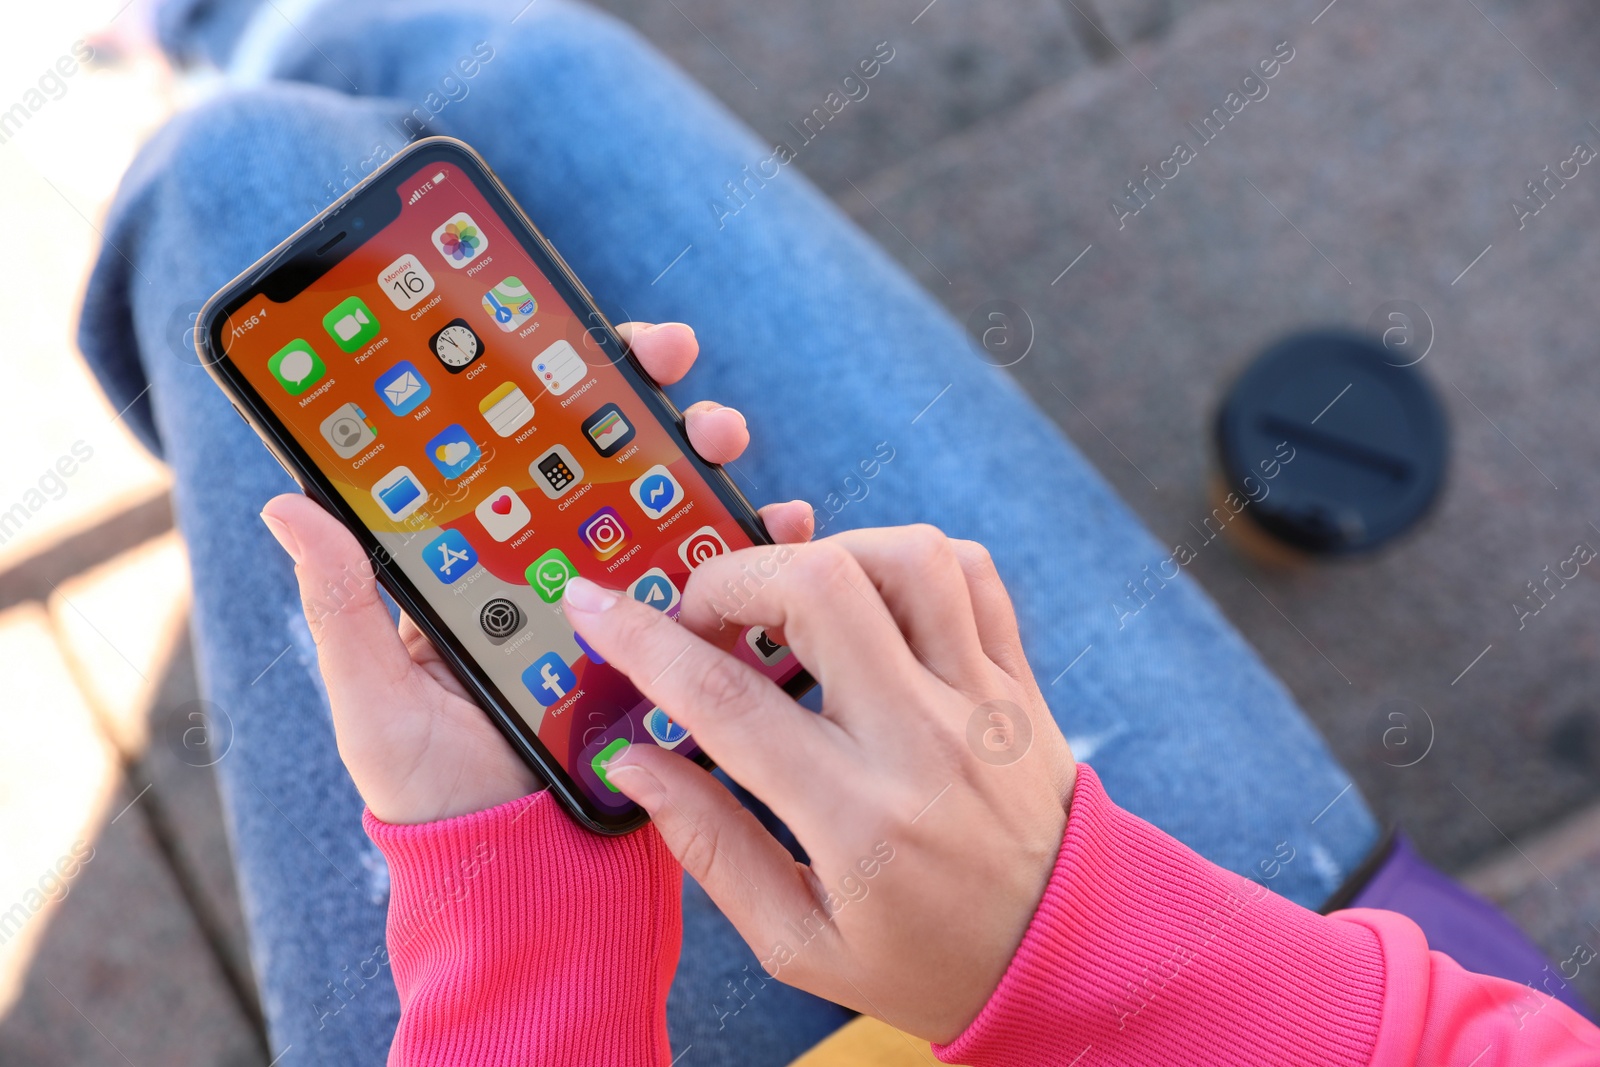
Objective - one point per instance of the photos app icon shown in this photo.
(460, 240)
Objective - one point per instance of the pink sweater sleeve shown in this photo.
(1143, 953)
(516, 937)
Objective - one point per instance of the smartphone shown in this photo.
(425, 365)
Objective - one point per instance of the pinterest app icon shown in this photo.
(701, 546)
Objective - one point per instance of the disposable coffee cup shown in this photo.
(1332, 446)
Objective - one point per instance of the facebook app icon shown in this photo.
(549, 679)
(449, 556)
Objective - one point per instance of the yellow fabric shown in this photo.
(866, 1042)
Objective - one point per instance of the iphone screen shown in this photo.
(462, 408)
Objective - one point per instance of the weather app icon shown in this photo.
(454, 451)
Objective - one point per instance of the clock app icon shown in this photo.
(456, 346)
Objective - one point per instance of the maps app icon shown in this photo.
(510, 304)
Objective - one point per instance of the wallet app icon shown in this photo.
(607, 430)
(403, 388)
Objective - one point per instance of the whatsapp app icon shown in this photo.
(549, 575)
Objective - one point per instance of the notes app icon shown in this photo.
(506, 410)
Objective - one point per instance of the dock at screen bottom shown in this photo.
(645, 724)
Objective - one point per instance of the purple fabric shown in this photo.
(1461, 924)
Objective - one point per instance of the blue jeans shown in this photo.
(805, 324)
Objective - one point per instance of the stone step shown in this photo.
(96, 938)
(1379, 165)
(955, 63)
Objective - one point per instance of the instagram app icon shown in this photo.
(703, 544)
(604, 532)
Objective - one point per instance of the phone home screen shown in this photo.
(460, 407)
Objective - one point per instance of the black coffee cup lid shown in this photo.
(1358, 443)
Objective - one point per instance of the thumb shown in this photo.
(743, 869)
(358, 647)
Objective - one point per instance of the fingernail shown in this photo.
(283, 535)
(653, 327)
(586, 596)
(640, 786)
(740, 414)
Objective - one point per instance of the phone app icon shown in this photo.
(460, 240)
(507, 409)
(766, 649)
(399, 493)
(406, 282)
(297, 367)
(349, 430)
(705, 543)
(663, 731)
(503, 514)
(403, 388)
(560, 367)
(605, 756)
(500, 619)
(604, 532)
(556, 471)
(549, 679)
(549, 575)
(657, 491)
(454, 451)
(449, 556)
(654, 589)
(607, 430)
(351, 323)
(510, 304)
(456, 345)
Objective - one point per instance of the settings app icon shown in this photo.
(500, 618)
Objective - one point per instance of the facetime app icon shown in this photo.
(506, 410)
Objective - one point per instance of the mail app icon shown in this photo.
(403, 388)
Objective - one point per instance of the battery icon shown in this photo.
(437, 178)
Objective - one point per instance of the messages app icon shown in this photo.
(296, 367)
(403, 387)
(549, 575)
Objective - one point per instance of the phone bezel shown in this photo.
(292, 266)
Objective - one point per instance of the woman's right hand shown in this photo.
(930, 794)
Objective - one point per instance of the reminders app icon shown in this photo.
(560, 367)
(399, 493)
